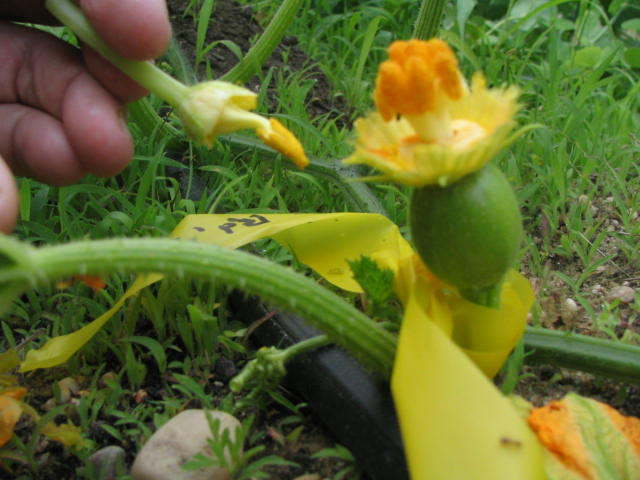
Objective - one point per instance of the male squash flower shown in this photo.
(430, 127)
(213, 108)
(207, 110)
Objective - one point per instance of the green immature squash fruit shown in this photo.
(469, 232)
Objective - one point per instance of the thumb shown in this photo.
(8, 199)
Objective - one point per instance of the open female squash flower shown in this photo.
(587, 440)
(430, 127)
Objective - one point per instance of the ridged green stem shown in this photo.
(22, 265)
(268, 41)
(601, 357)
(145, 73)
(429, 19)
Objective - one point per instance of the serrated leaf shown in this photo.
(376, 282)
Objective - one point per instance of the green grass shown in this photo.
(577, 177)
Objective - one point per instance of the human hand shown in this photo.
(62, 112)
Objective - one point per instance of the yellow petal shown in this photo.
(393, 149)
(279, 138)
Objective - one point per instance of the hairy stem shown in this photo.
(606, 358)
(429, 19)
(145, 73)
(341, 322)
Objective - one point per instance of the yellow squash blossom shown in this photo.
(430, 127)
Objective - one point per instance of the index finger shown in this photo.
(136, 29)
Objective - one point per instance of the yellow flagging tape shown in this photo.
(455, 424)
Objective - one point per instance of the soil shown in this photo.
(237, 23)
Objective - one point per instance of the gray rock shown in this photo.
(623, 293)
(177, 441)
(109, 461)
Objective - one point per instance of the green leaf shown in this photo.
(376, 282)
(587, 57)
(464, 9)
(633, 24)
(156, 349)
(632, 57)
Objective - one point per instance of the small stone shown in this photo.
(49, 404)
(623, 293)
(571, 305)
(178, 441)
(108, 462)
(68, 387)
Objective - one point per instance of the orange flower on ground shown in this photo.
(587, 440)
(10, 412)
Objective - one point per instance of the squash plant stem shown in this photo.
(429, 19)
(268, 41)
(22, 265)
(145, 73)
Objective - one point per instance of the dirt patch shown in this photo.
(237, 24)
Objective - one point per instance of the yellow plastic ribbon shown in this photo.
(455, 424)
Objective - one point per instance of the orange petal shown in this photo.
(560, 434)
(95, 282)
(10, 412)
(417, 73)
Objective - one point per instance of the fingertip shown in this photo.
(8, 199)
(136, 29)
(97, 129)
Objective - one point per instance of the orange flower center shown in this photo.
(417, 77)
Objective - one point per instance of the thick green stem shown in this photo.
(268, 41)
(606, 358)
(429, 19)
(341, 322)
(145, 73)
